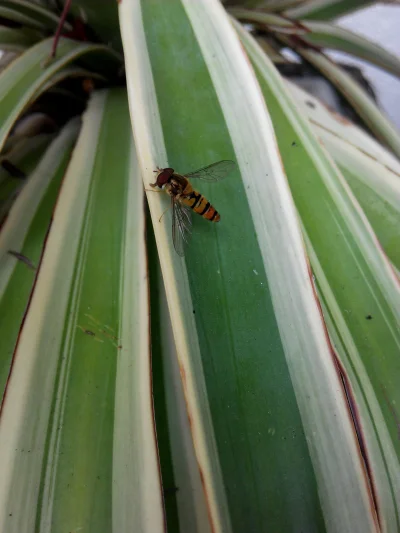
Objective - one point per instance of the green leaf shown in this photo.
(15, 40)
(26, 76)
(76, 434)
(326, 9)
(102, 17)
(357, 284)
(16, 16)
(336, 38)
(245, 3)
(278, 5)
(261, 388)
(36, 12)
(71, 73)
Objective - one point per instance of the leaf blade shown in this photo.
(84, 349)
(372, 286)
(214, 345)
(25, 77)
(326, 9)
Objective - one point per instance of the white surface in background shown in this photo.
(380, 23)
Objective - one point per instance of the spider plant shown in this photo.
(251, 385)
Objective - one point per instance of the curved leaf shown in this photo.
(15, 15)
(37, 13)
(326, 9)
(361, 102)
(24, 79)
(16, 40)
(337, 38)
(322, 34)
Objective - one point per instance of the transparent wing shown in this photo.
(215, 172)
(181, 226)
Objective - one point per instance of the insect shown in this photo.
(185, 199)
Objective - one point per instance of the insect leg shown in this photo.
(169, 207)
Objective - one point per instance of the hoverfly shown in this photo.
(185, 199)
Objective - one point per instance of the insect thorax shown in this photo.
(178, 185)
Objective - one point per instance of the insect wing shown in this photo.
(181, 226)
(215, 172)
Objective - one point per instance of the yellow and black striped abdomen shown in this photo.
(201, 206)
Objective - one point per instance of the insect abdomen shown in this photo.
(202, 206)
